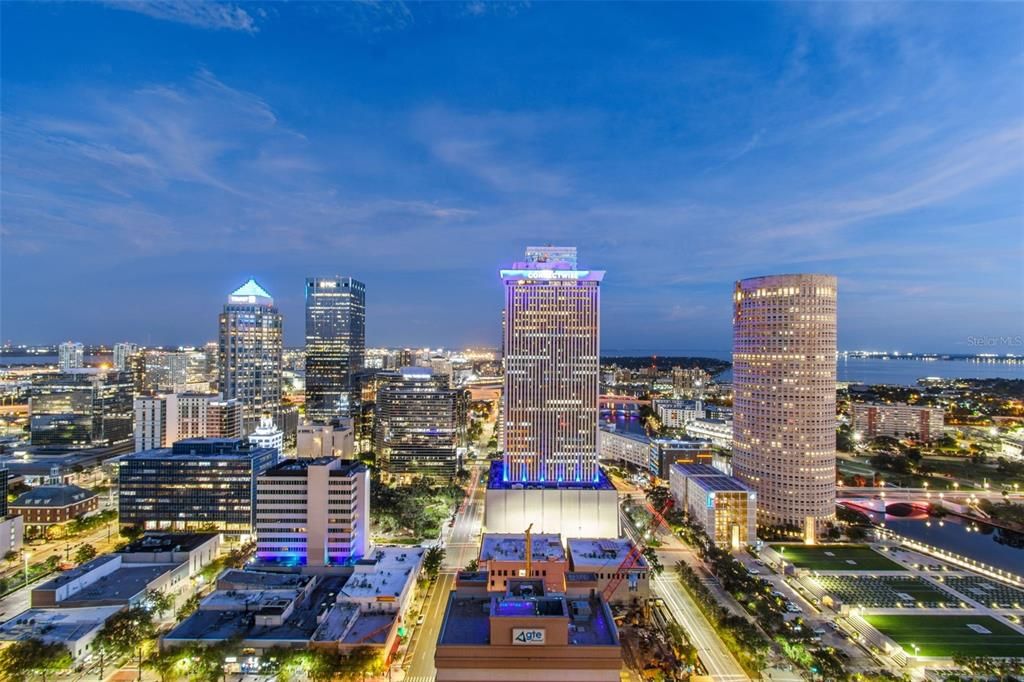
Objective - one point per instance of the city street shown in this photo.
(462, 544)
(711, 650)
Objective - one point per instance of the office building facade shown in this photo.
(335, 345)
(82, 408)
(784, 396)
(197, 484)
(250, 352)
(416, 425)
(162, 420)
(313, 512)
(722, 505)
(552, 354)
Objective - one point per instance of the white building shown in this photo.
(897, 420)
(718, 431)
(12, 532)
(723, 506)
(624, 448)
(784, 396)
(267, 435)
(313, 512)
(123, 353)
(676, 414)
(326, 440)
(71, 355)
(162, 420)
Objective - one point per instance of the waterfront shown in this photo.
(990, 545)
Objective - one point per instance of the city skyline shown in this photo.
(687, 146)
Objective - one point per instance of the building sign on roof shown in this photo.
(528, 636)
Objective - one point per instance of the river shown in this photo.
(979, 541)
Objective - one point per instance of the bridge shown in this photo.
(914, 501)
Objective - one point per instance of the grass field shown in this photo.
(944, 636)
(836, 558)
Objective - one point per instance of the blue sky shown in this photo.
(154, 156)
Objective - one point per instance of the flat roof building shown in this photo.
(724, 506)
(601, 560)
(503, 557)
(197, 484)
(897, 420)
(313, 512)
(526, 635)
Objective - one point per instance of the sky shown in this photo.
(156, 155)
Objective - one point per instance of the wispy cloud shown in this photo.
(207, 14)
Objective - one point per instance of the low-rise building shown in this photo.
(621, 447)
(336, 439)
(49, 505)
(676, 414)
(718, 431)
(74, 629)
(723, 506)
(897, 420)
(503, 557)
(336, 608)
(526, 634)
(600, 561)
(664, 452)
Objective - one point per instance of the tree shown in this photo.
(127, 633)
(28, 656)
(131, 532)
(85, 553)
(432, 561)
(159, 602)
(473, 566)
(11, 555)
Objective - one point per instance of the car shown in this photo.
(753, 571)
(419, 621)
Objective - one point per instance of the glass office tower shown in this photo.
(335, 345)
(250, 353)
(417, 425)
(82, 408)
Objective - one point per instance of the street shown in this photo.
(462, 546)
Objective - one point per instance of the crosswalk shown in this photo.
(420, 678)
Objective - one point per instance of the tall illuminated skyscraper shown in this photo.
(552, 356)
(784, 388)
(250, 352)
(335, 344)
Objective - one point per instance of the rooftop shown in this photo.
(250, 292)
(120, 586)
(512, 547)
(638, 437)
(56, 625)
(203, 448)
(298, 467)
(167, 542)
(76, 572)
(601, 553)
(467, 618)
(496, 481)
(237, 579)
(53, 496)
(385, 573)
(217, 624)
(697, 470)
(720, 484)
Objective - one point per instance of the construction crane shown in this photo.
(529, 552)
(636, 551)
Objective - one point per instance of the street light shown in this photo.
(26, 555)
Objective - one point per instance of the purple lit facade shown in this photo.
(552, 355)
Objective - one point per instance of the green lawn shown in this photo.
(836, 558)
(944, 636)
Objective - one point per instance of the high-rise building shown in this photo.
(123, 353)
(150, 422)
(196, 484)
(161, 370)
(71, 355)
(416, 425)
(335, 345)
(313, 512)
(552, 356)
(161, 420)
(250, 352)
(784, 396)
(82, 408)
(897, 420)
